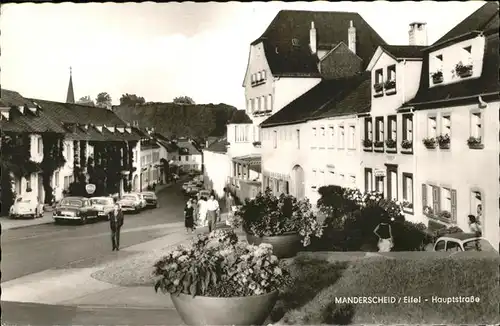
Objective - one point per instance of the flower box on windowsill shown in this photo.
(407, 207)
(390, 87)
(475, 143)
(407, 146)
(367, 145)
(443, 141)
(463, 71)
(391, 145)
(430, 143)
(437, 77)
(378, 89)
(378, 146)
(257, 143)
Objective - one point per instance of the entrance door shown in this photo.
(41, 193)
(298, 182)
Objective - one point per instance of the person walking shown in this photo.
(116, 222)
(189, 216)
(213, 211)
(202, 211)
(196, 210)
(229, 206)
(474, 225)
(384, 233)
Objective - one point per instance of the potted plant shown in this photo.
(390, 84)
(378, 144)
(407, 144)
(220, 281)
(437, 77)
(430, 142)
(378, 87)
(463, 70)
(428, 211)
(367, 143)
(390, 143)
(283, 221)
(443, 141)
(475, 143)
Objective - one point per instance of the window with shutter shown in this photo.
(424, 196)
(435, 199)
(453, 206)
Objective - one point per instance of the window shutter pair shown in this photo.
(453, 206)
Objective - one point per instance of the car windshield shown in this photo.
(71, 202)
(99, 201)
(478, 245)
(129, 197)
(23, 200)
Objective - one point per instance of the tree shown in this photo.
(183, 100)
(103, 100)
(86, 100)
(131, 100)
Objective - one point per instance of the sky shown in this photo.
(160, 51)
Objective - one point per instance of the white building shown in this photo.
(216, 166)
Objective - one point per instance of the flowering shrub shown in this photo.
(391, 143)
(471, 141)
(268, 215)
(463, 70)
(429, 142)
(443, 140)
(218, 265)
(367, 143)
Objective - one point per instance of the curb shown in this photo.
(26, 226)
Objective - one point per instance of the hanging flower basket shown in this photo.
(443, 141)
(475, 143)
(462, 70)
(437, 77)
(430, 143)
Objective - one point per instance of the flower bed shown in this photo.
(423, 277)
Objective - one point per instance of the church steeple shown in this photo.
(70, 98)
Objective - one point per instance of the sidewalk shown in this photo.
(9, 224)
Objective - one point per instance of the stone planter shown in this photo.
(284, 246)
(199, 310)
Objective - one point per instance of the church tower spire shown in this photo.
(70, 98)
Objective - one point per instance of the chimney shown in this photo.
(418, 34)
(312, 39)
(351, 37)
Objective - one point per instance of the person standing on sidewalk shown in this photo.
(116, 222)
(189, 216)
(213, 211)
(229, 206)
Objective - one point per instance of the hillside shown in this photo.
(196, 121)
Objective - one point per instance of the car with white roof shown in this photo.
(461, 242)
(103, 205)
(131, 202)
(26, 207)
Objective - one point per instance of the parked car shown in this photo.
(459, 242)
(151, 199)
(103, 205)
(204, 193)
(74, 209)
(143, 200)
(26, 207)
(130, 202)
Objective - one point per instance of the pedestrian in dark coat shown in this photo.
(116, 222)
(189, 216)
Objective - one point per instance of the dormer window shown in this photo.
(264, 75)
(4, 114)
(259, 76)
(128, 130)
(436, 72)
(253, 79)
(378, 86)
(390, 83)
(33, 110)
(21, 109)
(99, 128)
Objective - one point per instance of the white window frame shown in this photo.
(445, 197)
(341, 136)
(432, 126)
(275, 138)
(476, 124)
(331, 136)
(314, 179)
(297, 136)
(352, 136)
(446, 124)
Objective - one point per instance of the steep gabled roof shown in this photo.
(14, 99)
(189, 146)
(286, 59)
(484, 19)
(404, 51)
(487, 83)
(329, 98)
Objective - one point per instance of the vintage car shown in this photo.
(204, 193)
(131, 202)
(26, 207)
(103, 205)
(151, 199)
(74, 209)
(461, 241)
